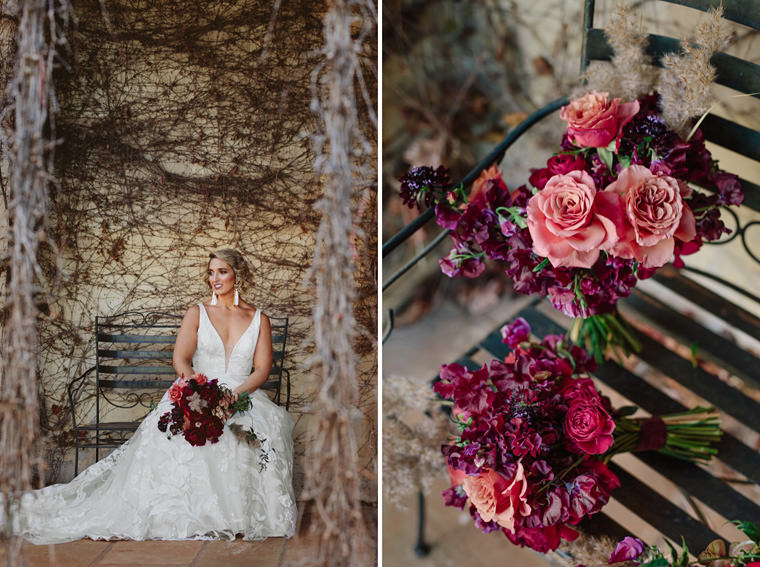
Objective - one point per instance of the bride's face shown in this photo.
(220, 276)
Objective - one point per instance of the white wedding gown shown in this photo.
(157, 488)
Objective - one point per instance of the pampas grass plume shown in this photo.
(686, 78)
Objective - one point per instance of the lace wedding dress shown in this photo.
(157, 488)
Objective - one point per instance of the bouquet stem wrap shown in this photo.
(687, 435)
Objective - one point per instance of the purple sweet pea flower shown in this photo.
(516, 332)
(628, 549)
(729, 189)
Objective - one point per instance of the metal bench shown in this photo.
(647, 308)
(133, 367)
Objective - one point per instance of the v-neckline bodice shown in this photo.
(224, 346)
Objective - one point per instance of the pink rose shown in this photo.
(497, 498)
(175, 390)
(655, 214)
(593, 121)
(590, 426)
(570, 221)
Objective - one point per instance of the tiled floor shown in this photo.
(87, 553)
(272, 552)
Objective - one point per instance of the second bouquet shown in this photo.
(534, 439)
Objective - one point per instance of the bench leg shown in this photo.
(422, 549)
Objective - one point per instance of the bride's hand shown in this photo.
(235, 396)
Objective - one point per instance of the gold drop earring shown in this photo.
(237, 296)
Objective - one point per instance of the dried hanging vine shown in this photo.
(29, 143)
(185, 127)
(345, 157)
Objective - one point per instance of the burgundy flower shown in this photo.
(423, 186)
(565, 163)
(461, 261)
(515, 332)
(539, 177)
(542, 539)
(729, 189)
(627, 550)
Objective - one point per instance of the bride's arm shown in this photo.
(262, 359)
(184, 346)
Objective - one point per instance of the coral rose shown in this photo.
(590, 426)
(593, 121)
(497, 498)
(570, 221)
(655, 214)
(481, 184)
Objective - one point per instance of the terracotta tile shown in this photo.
(74, 554)
(140, 553)
(240, 553)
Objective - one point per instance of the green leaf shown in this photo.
(606, 156)
(683, 561)
(693, 356)
(673, 554)
(625, 161)
(542, 265)
(657, 562)
(751, 530)
(515, 215)
(625, 411)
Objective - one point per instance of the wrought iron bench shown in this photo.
(133, 367)
(646, 307)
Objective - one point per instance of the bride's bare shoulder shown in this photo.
(192, 315)
(249, 308)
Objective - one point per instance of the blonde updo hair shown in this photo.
(238, 264)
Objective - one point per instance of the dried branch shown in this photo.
(344, 157)
(30, 143)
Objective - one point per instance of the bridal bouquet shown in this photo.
(201, 408)
(535, 436)
(608, 209)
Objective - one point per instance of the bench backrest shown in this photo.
(732, 72)
(134, 357)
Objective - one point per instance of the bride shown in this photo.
(153, 487)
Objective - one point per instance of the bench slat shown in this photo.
(746, 12)
(111, 426)
(152, 339)
(710, 387)
(687, 331)
(731, 135)
(708, 300)
(137, 384)
(668, 518)
(161, 370)
(751, 194)
(702, 485)
(143, 354)
(601, 524)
